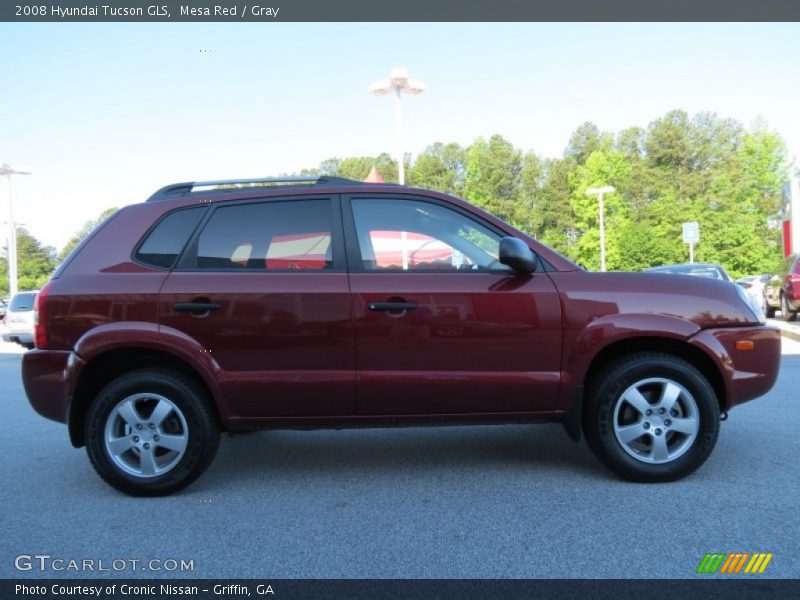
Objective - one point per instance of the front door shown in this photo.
(273, 273)
(441, 326)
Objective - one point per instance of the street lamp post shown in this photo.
(599, 192)
(399, 83)
(8, 171)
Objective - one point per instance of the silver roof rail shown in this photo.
(177, 190)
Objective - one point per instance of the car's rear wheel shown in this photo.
(651, 417)
(151, 432)
(787, 313)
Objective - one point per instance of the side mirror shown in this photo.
(516, 254)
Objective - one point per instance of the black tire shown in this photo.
(769, 311)
(787, 313)
(190, 406)
(604, 393)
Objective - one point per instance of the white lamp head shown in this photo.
(6, 169)
(413, 86)
(399, 77)
(381, 87)
(601, 190)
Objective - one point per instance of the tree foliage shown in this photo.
(35, 262)
(679, 168)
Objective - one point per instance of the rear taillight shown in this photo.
(793, 278)
(40, 317)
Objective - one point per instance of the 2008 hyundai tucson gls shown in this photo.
(331, 303)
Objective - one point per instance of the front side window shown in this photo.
(411, 235)
(278, 235)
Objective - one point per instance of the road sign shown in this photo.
(691, 232)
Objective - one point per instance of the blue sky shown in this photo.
(103, 114)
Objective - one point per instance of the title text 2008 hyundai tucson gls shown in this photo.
(331, 303)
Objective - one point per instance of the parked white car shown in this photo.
(755, 285)
(18, 322)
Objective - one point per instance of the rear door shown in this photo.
(441, 326)
(273, 274)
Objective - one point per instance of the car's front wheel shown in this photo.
(151, 432)
(651, 417)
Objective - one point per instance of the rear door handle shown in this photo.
(393, 306)
(195, 307)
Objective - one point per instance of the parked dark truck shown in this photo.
(330, 303)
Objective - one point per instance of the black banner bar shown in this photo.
(371, 589)
(405, 10)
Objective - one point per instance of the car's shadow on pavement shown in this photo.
(420, 451)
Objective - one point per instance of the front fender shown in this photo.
(583, 346)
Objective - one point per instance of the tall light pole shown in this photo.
(8, 171)
(599, 193)
(400, 83)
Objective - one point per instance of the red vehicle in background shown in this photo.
(783, 289)
(330, 303)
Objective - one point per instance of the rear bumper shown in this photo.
(747, 374)
(49, 380)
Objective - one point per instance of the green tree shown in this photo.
(678, 168)
(554, 217)
(587, 138)
(357, 167)
(601, 168)
(35, 263)
(494, 178)
(440, 167)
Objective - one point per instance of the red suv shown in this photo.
(331, 303)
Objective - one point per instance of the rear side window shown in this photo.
(166, 240)
(278, 235)
(23, 302)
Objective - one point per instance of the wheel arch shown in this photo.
(675, 347)
(106, 366)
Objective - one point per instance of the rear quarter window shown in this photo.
(165, 242)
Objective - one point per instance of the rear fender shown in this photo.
(127, 335)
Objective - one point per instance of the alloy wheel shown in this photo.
(656, 420)
(146, 435)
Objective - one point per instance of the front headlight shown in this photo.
(752, 304)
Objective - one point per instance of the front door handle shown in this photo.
(195, 307)
(393, 306)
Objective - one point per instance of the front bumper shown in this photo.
(49, 380)
(747, 374)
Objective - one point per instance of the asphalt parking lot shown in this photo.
(461, 502)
